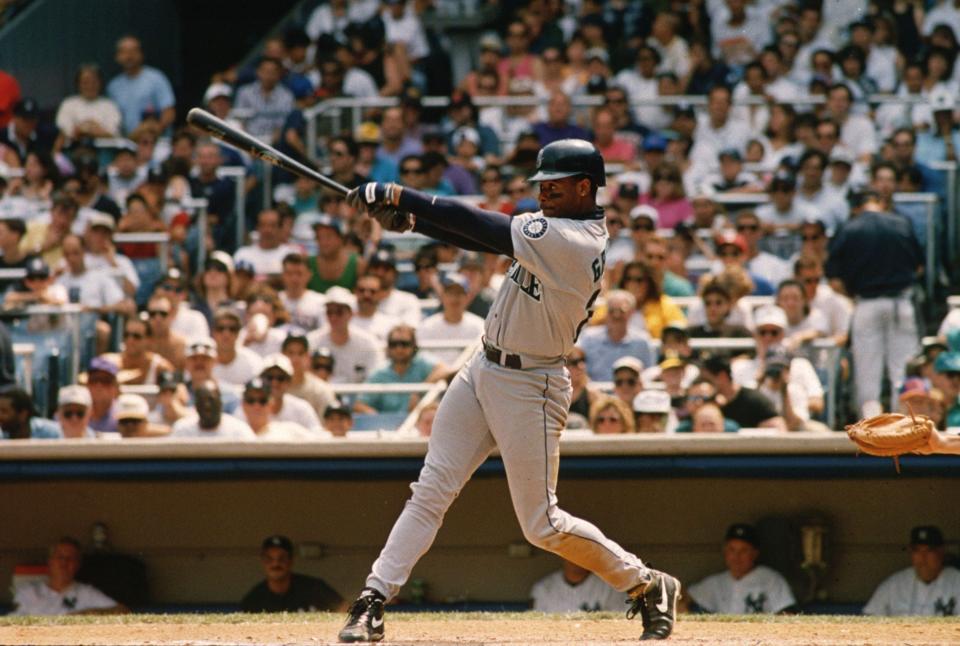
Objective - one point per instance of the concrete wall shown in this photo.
(200, 538)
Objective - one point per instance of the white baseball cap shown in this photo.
(216, 90)
(651, 401)
(645, 211)
(204, 347)
(337, 295)
(630, 363)
(130, 406)
(76, 395)
(100, 219)
(941, 99)
(277, 360)
(770, 315)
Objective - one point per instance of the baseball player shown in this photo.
(515, 393)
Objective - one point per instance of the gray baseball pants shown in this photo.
(522, 412)
(884, 335)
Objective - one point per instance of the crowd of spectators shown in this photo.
(252, 341)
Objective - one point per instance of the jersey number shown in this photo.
(593, 299)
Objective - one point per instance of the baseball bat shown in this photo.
(242, 141)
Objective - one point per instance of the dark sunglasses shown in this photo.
(400, 344)
(748, 227)
(628, 381)
(134, 335)
(607, 418)
(322, 366)
(769, 332)
(72, 414)
(276, 377)
(642, 226)
(129, 422)
(161, 313)
(812, 238)
(227, 328)
(408, 170)
(730, 253)
(256, 401)
(101, 381)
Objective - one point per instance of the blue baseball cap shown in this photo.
(947, 362)
(743, 532)
(654, 142)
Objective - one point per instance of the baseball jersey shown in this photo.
(904, 594)
(37, 598)
(762, 590)
(553, 593)
(550, 288)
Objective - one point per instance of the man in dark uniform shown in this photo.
(284, 590)
(876, 256)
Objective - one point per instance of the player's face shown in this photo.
(739, 557)
(277, 563)
(560, 197)
(927, 561)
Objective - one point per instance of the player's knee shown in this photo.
(544, 536)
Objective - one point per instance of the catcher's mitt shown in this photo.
(891, 434)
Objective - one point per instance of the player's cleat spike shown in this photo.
(365, 620)
(657, 605)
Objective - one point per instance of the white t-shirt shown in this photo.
(802, 373)
(859, 135)
(265, 262)
(407, 30)
(99, 263)
(308, 311)
(402, 305)
(231, 428)
(379, 325)
(245, 366)
(904, 594)
(277, 431)
(190, 324)
(553, 593)
(766, 265)
(836, 308)
(37, 598)
(762, 590)
(296, 411)
(75, 109)
(97, 288)
(355, 360)
(436, 328)
(950, 322)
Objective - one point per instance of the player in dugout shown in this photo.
(515, 393)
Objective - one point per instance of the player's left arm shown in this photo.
(439, 216)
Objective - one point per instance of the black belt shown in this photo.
(508, 360)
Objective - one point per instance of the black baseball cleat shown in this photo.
(365, 623)
(657, 605)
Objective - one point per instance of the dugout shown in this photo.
(195, 512)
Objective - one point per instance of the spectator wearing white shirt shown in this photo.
(304, 306)
(928, 588)
(368, 317)
(184, 320)
(303, 383)
(284, 407)
(394, 302)
(356, 353)
(235, 364)
(88, 113)
(268, 253)
(402, 26)
(102, 254)
(640, 82)
(759, 262)
(574, 589)
(74, 406)
(717, 130)
(453, 322)
(836, 308)
(812, 193)
(256, 412)
(60, 593)
(210, 421)
(675, 55)
(805, 322)
(739, 32)
(744, 587)
(857, 131)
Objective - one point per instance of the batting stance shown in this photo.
(516, 392)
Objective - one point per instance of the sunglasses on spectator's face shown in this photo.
(100, 380)
(748, 227)
(397, 343)
(233, 329)
(323, 366)
(72, 413)
(171, 287)
(161, 313)
(129, 422)
(256, 401)
(608, 419)
(772, 332)
(276, 376)
(642, 226)
(625, 381)
(414, 170)
(729, 253)
(812, 238)
(133, 335)
(699, 398)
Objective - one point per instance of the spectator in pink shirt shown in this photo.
(614, 147)
(667, 196)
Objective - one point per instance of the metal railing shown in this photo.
(237, 175)
(24, 351)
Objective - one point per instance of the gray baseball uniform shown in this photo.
(515, 395)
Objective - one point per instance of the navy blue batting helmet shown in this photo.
(569, 158)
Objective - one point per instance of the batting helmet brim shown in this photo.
(544, 176)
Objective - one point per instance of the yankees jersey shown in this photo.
(904, 594)
(37, 598)
(762, 590)
(550, 289)
(553, 593)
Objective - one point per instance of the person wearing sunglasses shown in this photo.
(759, 261)
(235, 363)
(627, 382)
(101, 381)
(732, 252)
(73, 412)
(406, 366)
(611, 415)
(584, 394)
(167, 343)
(699, 394)
(184, 320)
(284, 407)
(368, 317)
(139, 365)
(357, 352)
(255, 410)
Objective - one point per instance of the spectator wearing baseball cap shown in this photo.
(357, 353)
(101, 381)
(928, 588)
(946, 378)
(258, 398)
(278, 372)
(26, 134)
(653, 412)
(73, 412)
(338, 419)
(132, 413)
(732, 251)
(333, 258)
(36, 288)
(394, 302)
(745, 406)
(745, 587)
(282, 589)
(201, 357)
(184, 320)
(453, 322)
